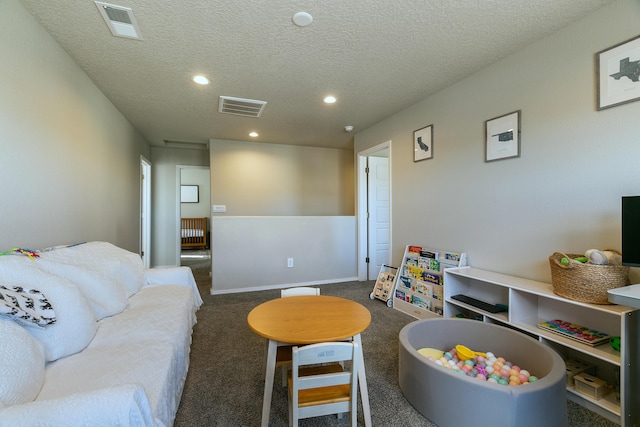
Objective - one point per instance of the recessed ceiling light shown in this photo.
(330, 99)
(302, 19)
(253, 134)
(201, 80)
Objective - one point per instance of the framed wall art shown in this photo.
(619, 74)
(423, 143)
(502, 137)
(189, 194)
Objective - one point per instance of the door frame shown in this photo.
(362, 214)
(145, 211)
(179, 206)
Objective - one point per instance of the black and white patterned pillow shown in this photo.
(28, 307)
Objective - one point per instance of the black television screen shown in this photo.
(631, 231)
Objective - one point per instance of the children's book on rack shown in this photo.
(419, 287)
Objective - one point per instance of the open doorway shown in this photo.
(374, 210)
(194, 203)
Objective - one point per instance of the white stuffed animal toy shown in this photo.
(598, 257)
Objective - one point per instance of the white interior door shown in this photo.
(378, 208)
(375, 241)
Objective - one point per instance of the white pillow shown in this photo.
(93, 255)
(76, 323)
(21, 364)
(102, 290)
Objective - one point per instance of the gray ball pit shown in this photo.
(448, 398)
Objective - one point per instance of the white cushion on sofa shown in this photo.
(129, 271)
(123, 405)
(173, 276)
(105, 274)
(21, 364)
(153, 364)
(169, 308)
(76, 323)
(105, 295)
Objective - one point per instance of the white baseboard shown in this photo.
(282, 286)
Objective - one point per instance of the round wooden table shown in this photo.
(309, 320)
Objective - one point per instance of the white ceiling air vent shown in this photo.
(120, 20)
(241, 106)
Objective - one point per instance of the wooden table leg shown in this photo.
(268, 381)
(362, 382)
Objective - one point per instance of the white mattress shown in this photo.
(192, 232)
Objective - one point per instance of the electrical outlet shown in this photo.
(289, 262)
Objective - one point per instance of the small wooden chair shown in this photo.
(326, 389)
(283, 355)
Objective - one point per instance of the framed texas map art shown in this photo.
(423, 143)
(619, 74)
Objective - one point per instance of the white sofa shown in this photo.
(118, 352)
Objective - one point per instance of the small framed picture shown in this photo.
(503, 137)
(423, 143)
(189, 194)
(619, 74)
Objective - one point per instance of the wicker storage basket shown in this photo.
(585, 282)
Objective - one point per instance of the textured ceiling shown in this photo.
(376, 56)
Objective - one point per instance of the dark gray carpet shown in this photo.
(225, 383)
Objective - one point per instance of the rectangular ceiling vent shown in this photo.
(241, 106)
(120, 20)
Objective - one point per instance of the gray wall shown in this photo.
(562, 194)
(274, 179)
(282, 202)
(250, 253)
(164, 200)
(69, 161)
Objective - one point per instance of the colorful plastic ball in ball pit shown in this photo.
(485, 367)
